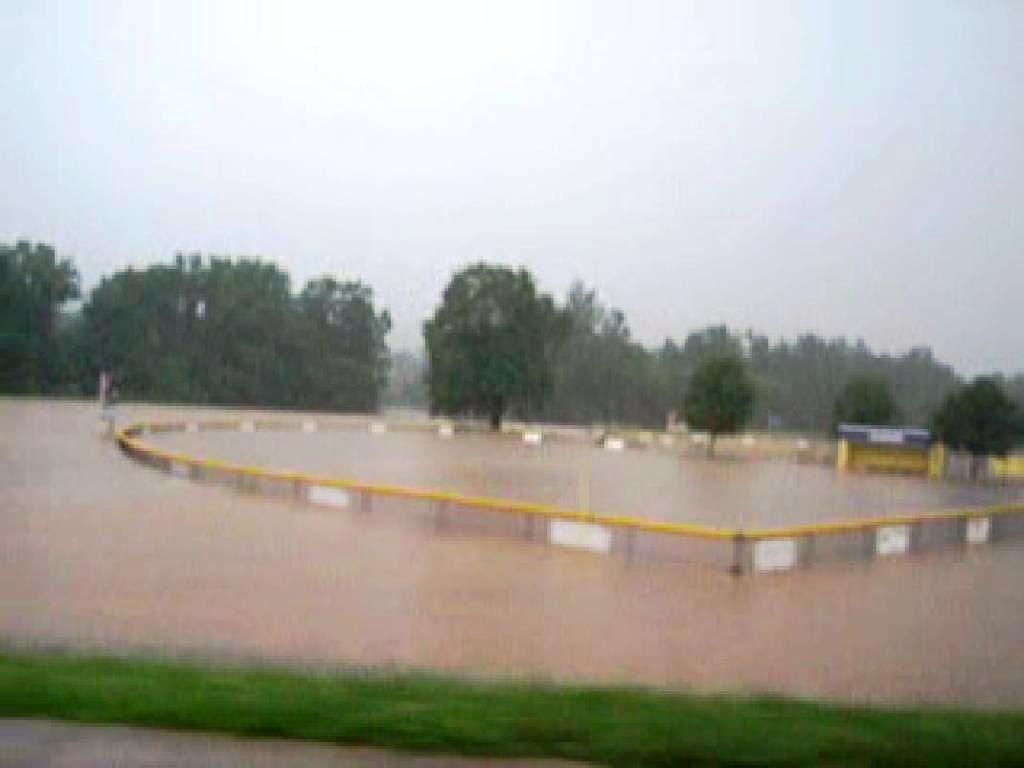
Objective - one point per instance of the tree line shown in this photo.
(232, 331)
(198, 330)
(498, 346)
(599, 374)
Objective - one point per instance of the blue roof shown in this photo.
(882, 435)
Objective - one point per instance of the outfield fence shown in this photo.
(634, 539)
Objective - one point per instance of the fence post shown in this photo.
(808, 554)
(870, 543)
(528, 527)
(739, 554)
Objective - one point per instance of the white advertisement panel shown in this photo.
(978, 530)
(588, 536)
(892, 540)
(331, 497)
(775, 555)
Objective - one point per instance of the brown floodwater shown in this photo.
(648, 483)
(97, 551)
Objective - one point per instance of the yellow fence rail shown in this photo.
(751, 550)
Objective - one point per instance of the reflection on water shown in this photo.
(640, 483)
(98, 551)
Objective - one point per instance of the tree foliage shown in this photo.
(866, 400)
(224, 331)
(979, 418)
(491, 344)
(197, 330)
(720, 397)
(216, 330)
(34, 285)
(600, 374)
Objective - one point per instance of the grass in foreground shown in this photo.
(617, 726)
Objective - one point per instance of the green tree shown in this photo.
(979, 419)
(601, 375)
(719, 398)
(491, 344)
(865, 400)
(346, 337)
(227, 331)
(34, 285)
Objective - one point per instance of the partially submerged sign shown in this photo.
(330, 497)
(892, 540)
(614, 444)
(775, 555)
(589, 536)
(978, 529)
(532, 438)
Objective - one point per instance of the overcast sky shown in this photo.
(846, 168)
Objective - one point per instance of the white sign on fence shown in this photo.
(774, 554)
(978, 529)
(589, 536)
(885, 436)
(445, 432)
(892, 540)
(309, 426)
(332, 497)
(378, 427)
(532, 438)
(616, 444)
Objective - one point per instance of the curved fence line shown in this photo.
(762, 549)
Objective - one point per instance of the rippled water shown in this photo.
(97, 551)
(648, 483)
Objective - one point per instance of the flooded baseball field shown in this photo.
(650, 483)
(97, 551)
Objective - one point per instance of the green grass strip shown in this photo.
(423, 713)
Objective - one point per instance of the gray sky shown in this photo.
(847, 168)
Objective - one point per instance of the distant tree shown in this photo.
(231, 331)
(865, 400)
(491, 344)
(979, 419)
(346, 337)
(719, 398)
(34, 285)
(601, 375)
(407, 384)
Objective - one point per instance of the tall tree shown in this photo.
(34, 285)
(719, 398)
(601, 375)
(346, 336)
(979, 419)
(865, 400)
(226, 331)
(491, 344)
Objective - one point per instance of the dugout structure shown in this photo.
(900, 450)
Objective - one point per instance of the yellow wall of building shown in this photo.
(938, 455)
(1010, 466)
(872, 457)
